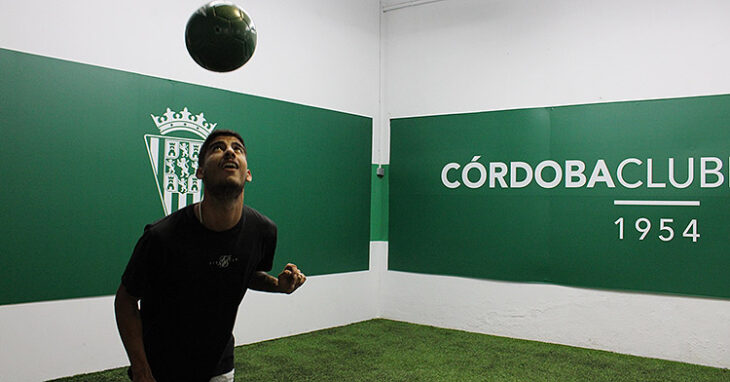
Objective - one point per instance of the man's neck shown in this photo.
(219, 214)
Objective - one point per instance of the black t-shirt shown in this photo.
(191, 281)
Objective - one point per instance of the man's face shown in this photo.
(224, 166)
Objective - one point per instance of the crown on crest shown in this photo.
(183, 121)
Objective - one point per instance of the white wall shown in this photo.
(685, 329)
(477, 55)
(316, 52)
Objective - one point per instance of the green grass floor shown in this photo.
(383, 350)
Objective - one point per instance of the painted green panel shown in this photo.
(559, 230)
(78, 185)
(379, 202)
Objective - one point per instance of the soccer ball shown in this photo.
(220, 36)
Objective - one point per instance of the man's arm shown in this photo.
(129, 324)
(288, 281)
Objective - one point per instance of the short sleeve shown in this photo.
(136, 276)
(268, 246)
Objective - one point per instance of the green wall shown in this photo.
(78, 185)
(379, 204)
(561, 231)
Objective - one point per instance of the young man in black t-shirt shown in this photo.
(190, 271)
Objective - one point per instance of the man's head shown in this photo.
(211, 137)
(222, 164)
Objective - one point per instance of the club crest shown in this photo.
(174, 159)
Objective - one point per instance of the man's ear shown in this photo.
(199, 173)
(248, 175)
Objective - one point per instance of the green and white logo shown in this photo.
(174, 159)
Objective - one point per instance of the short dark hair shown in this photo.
(215, 134)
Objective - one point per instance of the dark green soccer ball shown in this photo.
(220, 36)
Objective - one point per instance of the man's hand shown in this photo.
(287, 282)
(291, 279)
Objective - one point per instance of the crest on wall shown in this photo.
(174, 159)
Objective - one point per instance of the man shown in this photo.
(190, 270)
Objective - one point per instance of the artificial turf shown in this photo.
(384, 350)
